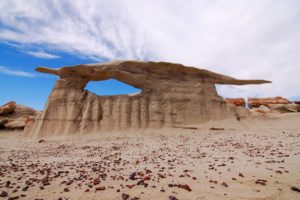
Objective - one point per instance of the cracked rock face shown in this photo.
(172, 95)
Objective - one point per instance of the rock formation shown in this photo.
(256, 102)
(236, 101)
(7, 108)
(172, 95)
(272, 104)
(297, 105)
(13, 116)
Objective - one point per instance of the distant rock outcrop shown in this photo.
(8, 108)
(256, 102)
(13, 116)
(297, 105)
(272, 104)
(236, 101)
(172, 94)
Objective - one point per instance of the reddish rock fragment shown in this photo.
(216, 129)
(125, 196)
(184, 186)
(25, 188)
(172, 198)
(100, 188)
(130, 186)
(261, 181)
(3, 194)
(13, 198)
(142, 182)
(133, 176)
(96, 181)
(45, 181)
(146, 178)
(161, 175)
(141, 174)
(295, 189)
(224, 184)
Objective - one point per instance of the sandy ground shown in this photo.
(251, 159)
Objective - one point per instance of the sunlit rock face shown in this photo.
(273, 104)
(14, 116)
(236, 101)
(172, 95)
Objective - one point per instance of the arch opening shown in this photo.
(111, 87)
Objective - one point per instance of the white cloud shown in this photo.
(42, 54)
(245, 39)
(5, 70)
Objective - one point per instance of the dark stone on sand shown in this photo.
(125, 196)
(295, 189)
(3, 194)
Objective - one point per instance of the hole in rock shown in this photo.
(111, 87)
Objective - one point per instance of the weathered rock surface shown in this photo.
(7, 108)
(297, 105)
(256, 102)
(274, 104)
(172, 94)
(261, 109)
(236, 101)
(283, 108)
(14, 116)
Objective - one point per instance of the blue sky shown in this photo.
(249, 39)
(20, 82)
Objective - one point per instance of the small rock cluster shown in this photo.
(14, 116)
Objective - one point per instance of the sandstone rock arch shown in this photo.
(172, 95)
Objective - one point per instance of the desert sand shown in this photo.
(251, 159)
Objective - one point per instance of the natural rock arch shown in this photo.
(172, 95)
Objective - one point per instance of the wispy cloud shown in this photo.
(12, 72)
(245, 39)
(42, 54)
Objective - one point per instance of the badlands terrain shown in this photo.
(255, 158)
(177, 139)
